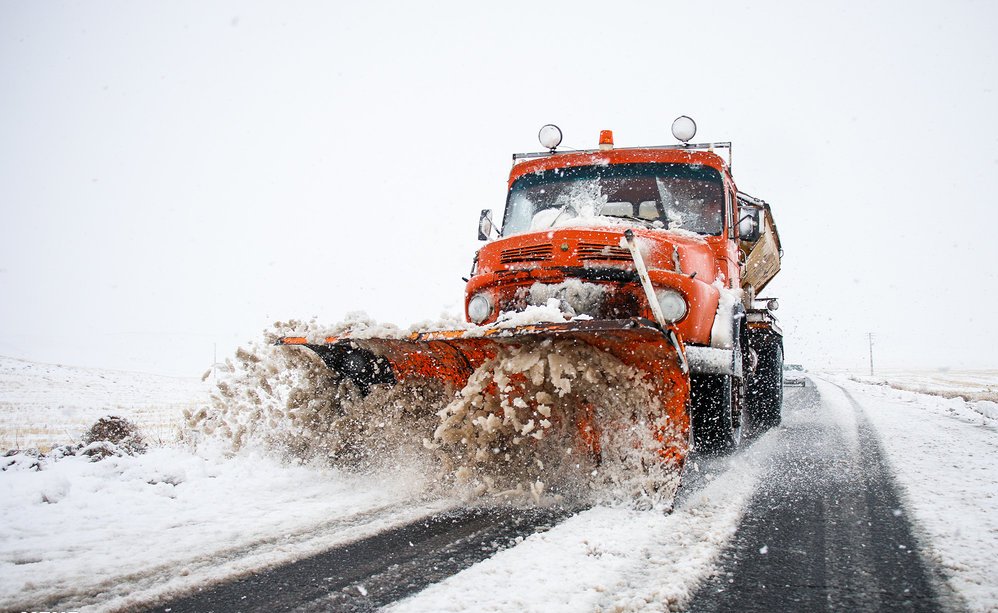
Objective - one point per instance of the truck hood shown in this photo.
(600, 246)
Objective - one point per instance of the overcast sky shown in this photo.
(178, 175)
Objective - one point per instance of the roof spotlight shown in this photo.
(684, 128)
(550, 136)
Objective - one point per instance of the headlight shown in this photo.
(550, 136)
(684, 128)
(672, 303)
(479, 308)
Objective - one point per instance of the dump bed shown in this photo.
(762, 257)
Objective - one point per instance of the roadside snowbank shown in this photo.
(103, 535)
(944, 455)
(970, 385)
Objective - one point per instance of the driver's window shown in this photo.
(618, 209)
(648, 210)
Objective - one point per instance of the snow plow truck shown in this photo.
(652, 255)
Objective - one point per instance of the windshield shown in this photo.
(674, 196)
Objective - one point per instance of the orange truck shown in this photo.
(650, 254)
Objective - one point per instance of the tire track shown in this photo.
(378, 570)
(826, 531)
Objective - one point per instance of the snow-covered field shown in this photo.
(973, 385)
(107, 535)
(110, 534)
(44, 405)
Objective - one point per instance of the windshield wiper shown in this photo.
(646, 223)
(563, 208)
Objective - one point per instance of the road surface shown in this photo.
(375, 571)
(825, 530)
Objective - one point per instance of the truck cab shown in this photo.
(707, 250)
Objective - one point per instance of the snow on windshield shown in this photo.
(671, 196)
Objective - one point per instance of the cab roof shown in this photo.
(617, 156)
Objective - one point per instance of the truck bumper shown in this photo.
(714, 361)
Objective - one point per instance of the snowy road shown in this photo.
(824, 530)
(378, 570)
(866, 498)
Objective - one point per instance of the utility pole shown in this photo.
(870, 336)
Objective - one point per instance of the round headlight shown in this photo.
(550, 136)
(684, 128)
(672, 303)
(479, 308)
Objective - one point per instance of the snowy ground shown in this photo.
(43, 405)
(971, 385)
(944, 453)
(107, 535)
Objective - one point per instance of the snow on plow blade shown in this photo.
(452, 356)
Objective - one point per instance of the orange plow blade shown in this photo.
(453, 356)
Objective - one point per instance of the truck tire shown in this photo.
(710, 414)
(765, 393)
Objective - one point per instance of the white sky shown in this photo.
(176, 175)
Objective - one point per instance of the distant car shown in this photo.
(793, 374)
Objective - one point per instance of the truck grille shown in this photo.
(597, 251)
(533, 253)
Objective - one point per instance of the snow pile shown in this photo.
(113, 435)
(360, 325)
(979, 388)
(285, 399)
(573, 296)
(534, 417)
(528, 422)
(109, 436)
(549, 312)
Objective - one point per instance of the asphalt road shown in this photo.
(375, 571)
(825, 531)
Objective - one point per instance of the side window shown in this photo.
(729, 208)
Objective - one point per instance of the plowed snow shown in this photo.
(515, 430)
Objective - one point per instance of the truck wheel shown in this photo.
(765, 394)
(710, 413)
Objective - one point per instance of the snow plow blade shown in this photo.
(452, 356)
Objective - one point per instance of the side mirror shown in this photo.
(750, 226)
(485, 225)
